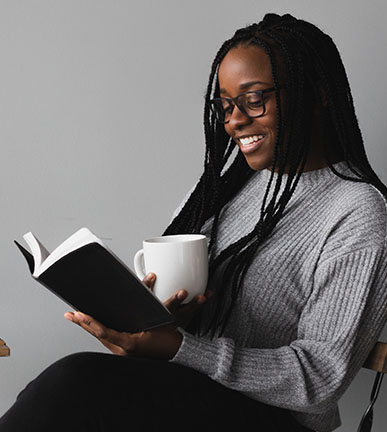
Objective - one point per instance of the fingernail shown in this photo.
(78, 315)
(181, 295)
(150, 277)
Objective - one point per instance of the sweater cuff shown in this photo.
(198, 354)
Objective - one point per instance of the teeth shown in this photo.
(250, 139)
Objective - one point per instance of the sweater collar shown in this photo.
(311, 178)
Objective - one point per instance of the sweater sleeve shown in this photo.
(338, 327)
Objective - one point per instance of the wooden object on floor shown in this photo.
(4, 350)
(377, 359)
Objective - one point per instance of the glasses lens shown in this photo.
(251, 103)
(222, 109)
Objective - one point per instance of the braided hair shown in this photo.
(308, 58)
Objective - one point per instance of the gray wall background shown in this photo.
(101, 126)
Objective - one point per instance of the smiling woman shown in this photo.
(253, 124)
(248, 68)
(296, 295)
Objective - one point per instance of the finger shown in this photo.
(195, 303)
(115, 349)
(174, 302)
(69, 316)
(199, 299)
(77, 318)
(185, 312)
(91, 325)
(149, 280)
(82, 318)
(124, 341)
(202, 298)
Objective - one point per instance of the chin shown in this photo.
(258, 163)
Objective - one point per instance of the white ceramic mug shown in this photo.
(179, 262)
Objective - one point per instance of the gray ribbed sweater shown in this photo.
(313, 302)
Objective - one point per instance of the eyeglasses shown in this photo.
(251, 104)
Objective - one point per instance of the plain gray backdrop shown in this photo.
(101, 126)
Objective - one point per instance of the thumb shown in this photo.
(149, 280)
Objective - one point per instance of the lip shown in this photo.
(249, 148)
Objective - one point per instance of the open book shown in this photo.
(84, 273)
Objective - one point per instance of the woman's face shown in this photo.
(246, 68)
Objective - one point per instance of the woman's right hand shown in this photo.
(183, 313)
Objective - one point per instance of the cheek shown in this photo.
(228, 130)
(269, 122)
(270, 117)
(272, 124)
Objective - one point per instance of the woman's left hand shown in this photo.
(161, 342)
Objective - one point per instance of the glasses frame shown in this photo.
(234, 101)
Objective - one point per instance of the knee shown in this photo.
(74, 369)
(76, 361)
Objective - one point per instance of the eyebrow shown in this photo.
(245, 86)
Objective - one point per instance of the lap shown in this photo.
(104, 392)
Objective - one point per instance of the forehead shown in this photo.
(244, 64)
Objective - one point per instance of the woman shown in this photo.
(297, 228)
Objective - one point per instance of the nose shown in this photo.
(238, 119)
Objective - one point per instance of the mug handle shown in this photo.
(139, 263)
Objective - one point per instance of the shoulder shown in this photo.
(358, 202)
(356, 218)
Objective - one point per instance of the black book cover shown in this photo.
(92, 281)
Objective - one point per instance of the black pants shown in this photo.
(93, 392)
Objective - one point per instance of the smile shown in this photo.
(249, 144)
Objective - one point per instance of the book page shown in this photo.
(39, 252)
(80, 238)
